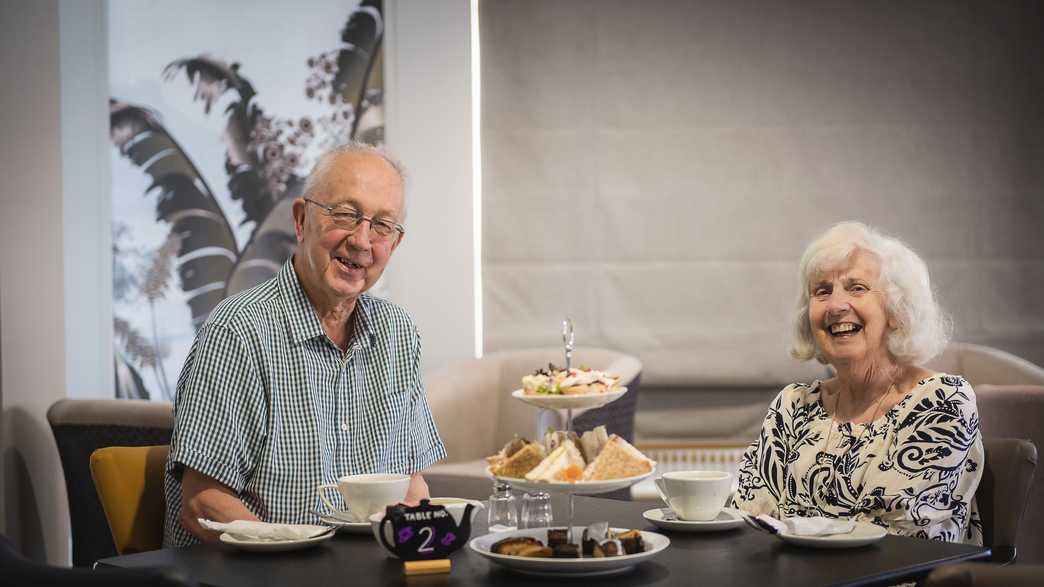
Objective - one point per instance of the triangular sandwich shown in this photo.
(521, 462)
(563, 464)
(618, 459)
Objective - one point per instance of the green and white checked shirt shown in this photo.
(269, 406)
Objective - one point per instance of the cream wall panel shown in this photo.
(696, 147)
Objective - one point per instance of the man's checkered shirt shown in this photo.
(269, 406)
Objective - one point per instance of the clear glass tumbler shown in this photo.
(503, 510)
(536, 510)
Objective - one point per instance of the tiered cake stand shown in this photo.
(569, 403)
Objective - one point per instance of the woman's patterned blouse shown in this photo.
(913, 470)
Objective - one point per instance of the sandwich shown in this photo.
(517, 458)
(565, 463)
(592, 442)
(617, 459)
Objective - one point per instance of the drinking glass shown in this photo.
(503, 513)
(536, 510)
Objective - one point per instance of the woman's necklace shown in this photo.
(828, 488)
(877, 410)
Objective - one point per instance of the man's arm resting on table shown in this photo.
(417, 491)
(205, 497)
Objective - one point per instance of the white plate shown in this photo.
(276, 545)
(727, 519)
(562, 402)
(863, 533)
(346, 527)
(589, 487)
(654, 544)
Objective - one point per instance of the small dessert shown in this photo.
(593, 535)
(631, 541)
(520, 546)
(557, 536)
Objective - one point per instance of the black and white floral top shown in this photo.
(913, 471)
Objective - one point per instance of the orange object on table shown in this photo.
(430, 567)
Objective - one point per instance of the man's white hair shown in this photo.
(921, 328)
(317, 177)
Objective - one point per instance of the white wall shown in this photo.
(31, 279)
(428, 83)
(87, 226)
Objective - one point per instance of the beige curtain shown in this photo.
(654, 169)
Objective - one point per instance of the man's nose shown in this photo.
(360, 237)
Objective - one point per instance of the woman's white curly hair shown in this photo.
(921, 328)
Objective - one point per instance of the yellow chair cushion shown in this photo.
(129, 482)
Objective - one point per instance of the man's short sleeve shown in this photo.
(220, 412)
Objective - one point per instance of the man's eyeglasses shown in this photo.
(349, 219)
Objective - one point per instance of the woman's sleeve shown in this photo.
(926, 484)
(762, 470)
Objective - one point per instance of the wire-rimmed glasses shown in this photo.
(348, 218)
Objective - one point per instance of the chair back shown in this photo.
(129, 480)
(1006, 477)
(82, 426)
(1017, 411)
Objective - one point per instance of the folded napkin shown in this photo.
(818, 526)
(264, 531)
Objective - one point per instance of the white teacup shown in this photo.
(366, 494)
(695, 495)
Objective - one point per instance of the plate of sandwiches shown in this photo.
(598, 550)
(554, 388)
(595, 462)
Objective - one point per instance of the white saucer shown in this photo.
(345, 526)
(275, 545)
(863, 533)
(727, 519)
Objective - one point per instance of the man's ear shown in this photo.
(298, 208)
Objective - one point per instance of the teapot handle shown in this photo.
(384, 539)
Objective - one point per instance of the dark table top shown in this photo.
(734, 557)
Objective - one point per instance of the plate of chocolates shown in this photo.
(594, 550)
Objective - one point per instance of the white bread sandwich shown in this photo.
(517, 459)
(592, 442)
(565, 463)
(617, 459)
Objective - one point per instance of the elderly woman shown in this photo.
(884, 440)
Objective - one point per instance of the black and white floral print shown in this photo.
(913, 471)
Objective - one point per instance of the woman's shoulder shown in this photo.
(799, 394)
(940, 390)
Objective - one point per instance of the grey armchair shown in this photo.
(82, 426)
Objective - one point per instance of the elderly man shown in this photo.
(305, 378)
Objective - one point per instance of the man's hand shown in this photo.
(417, 491)
(205, 497)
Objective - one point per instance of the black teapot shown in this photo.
(425, 531)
